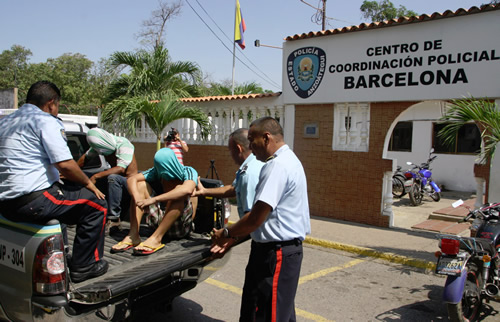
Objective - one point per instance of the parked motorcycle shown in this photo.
(422, 182)
(471, 264)
(399, 179)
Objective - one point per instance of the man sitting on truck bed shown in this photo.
(178, 183)
(33, 151)
(119, 153)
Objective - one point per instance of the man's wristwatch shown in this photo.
(225, 233)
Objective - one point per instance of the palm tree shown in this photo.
(151, 89)
(128, 113)
(153, 74)
(220, 89)
(483, 112)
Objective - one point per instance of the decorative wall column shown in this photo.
(387, 198)
(227, 127)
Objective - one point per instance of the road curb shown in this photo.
(391, 257)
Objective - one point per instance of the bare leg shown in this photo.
(173, 210)
(194, 202)
(136, 213)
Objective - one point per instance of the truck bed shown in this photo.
(128, 272)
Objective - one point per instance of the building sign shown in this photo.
(437, 59)
(305, 69)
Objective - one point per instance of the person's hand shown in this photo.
(220, 244)
(145, 202)
(200, 189)
(91, 186)
(177, 136)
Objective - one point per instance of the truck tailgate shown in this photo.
(127, 272)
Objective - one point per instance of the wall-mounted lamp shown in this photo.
(258, 44)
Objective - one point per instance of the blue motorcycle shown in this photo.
(422, 182)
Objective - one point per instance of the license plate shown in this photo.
(12, 256)
(450, 265)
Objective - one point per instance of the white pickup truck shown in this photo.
(33, 287)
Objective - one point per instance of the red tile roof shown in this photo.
(395, 22)
(228, 97)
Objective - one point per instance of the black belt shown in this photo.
(279, 244)
(23, 200)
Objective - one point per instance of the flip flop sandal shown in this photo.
(121, 250)
(144, 252)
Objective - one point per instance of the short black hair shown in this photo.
(268, 124)
(42, 92)
(240, 136)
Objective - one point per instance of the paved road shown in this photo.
(334, 286)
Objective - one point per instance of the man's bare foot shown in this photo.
(126, 244)
(148, 244)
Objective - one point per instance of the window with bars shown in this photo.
(351, 127)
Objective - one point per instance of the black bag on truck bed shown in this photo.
(211, 211)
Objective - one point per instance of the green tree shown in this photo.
(483, 112)
(129, 111)
(13, 65)
(152, 74)
(383, 10)
(71, 73)
(101, 76)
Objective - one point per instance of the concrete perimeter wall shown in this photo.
(341, 185)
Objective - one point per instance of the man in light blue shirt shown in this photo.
(33, 151)
(247, 176)
(278, 223)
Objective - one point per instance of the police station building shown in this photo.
(361, 100)
(368, 98)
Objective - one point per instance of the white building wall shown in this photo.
(453, 171)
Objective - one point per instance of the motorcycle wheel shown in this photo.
(436, 196)
(398, 187)
(415, 194)
(469, 307)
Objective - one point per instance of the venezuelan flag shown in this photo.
(239, 27)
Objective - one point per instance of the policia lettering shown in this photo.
(305, 70)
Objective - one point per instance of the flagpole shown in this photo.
(234, 45)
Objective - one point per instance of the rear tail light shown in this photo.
(408, 175)
(49, 267)
(450, 246)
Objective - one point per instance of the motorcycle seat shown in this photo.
(486, 244)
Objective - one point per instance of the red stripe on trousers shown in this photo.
(279, 260)
(78, 202)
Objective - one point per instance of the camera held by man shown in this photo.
(173, 141)
(172, 135)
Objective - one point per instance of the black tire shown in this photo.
(436, 196)
(398, 187)
(469, 307)
(416, 194)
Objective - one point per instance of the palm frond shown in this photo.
(482, 112)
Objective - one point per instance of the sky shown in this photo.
(98, 28)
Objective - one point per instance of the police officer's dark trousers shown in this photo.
(271, 280)
(71, 205)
